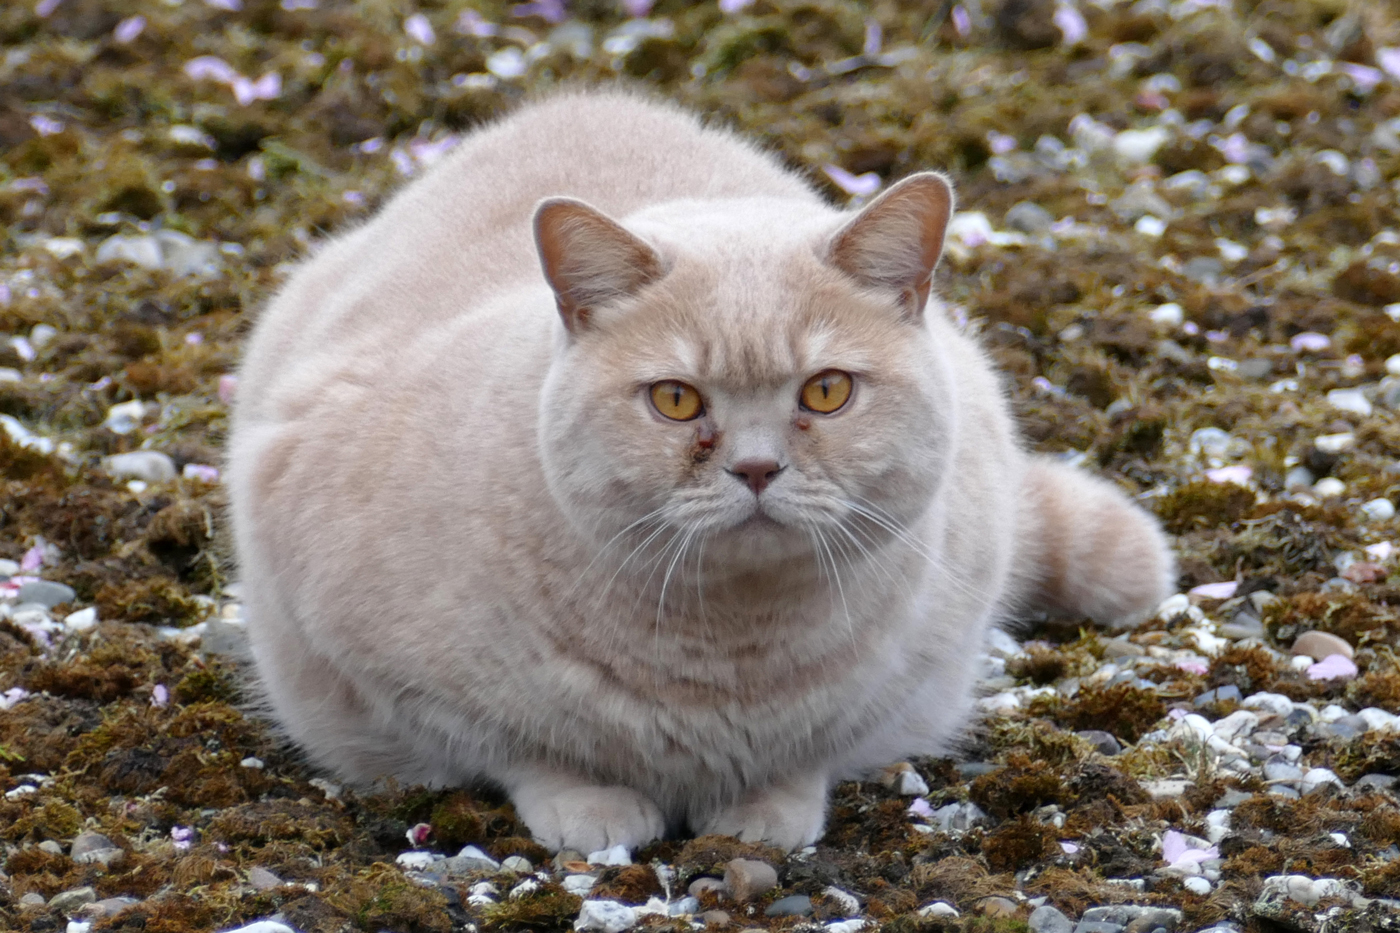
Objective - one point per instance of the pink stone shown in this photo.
(1333, 667)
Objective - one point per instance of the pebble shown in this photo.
(1196, 885)
(414, 861)
(1232, 798)
(1379, 510)
(263, 926)
(1238, 724)
(849, 903)
(72, 899)
(938, 909)
(685, 906)
(149, 466)
(1275, 703)
(605, 917)
(797, 905)
(1378, 781)
(46, 593)
(1317, 778)
(1047, 919)
(1220, 695)
(1275, 770)
(578, 885)
(745, 879)
(714, 917)
(1217, 825)
(1097, 926)
(32, 900)
(1378, 720)
(957, 817)
(704, 883)
(1321, 644)
(1329, 487)
(82, 620)
(518, 864)
(1350, 400)
(1104, 743)
(904, 780)
(51, 846)
(263, 880)
(107, 907)
(1166, 788)
(1029, 217)
(1306, 891)
(997, 907)
(471, 859)
(90, 848)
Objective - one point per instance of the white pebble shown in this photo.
(1352, 400)
(1139, 146)
(126, 417)
(149, 466)
(1329, 486)
(472, 852)
(251, 762)
(850, 926)
(411, 861)
(938, 909)
(1196, 884)
(518, 864)
(1318, 778)
(1341, 839)
(1378, 720)
(911, 784)
(850, 906)
(1379, 510)
(523, 889)
(1275, 703)
(82, 620)
(1170, 315)
(1301, 663)
(1239, 723)
(1392, 364)
(578, 885)
(605, 917)
(1150, 226)
(1335, 443)
(1332, 712)
(264, 926)
(1217, 825)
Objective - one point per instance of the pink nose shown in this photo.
(757, 473)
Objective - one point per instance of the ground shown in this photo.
(1179, 239)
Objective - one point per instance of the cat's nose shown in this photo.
(757, 473)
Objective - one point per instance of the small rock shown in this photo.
(848, 902)
(578, 885)
(1282, 771)
(149, 466)
(797, 905)
(938, 909)
(32, 900)
(417, 861)
(263, 880)
(1047, 919)
(1378, 720)
(745, 879)
(263, 926)
(1379, 510)
(1318, 778)
(95, 848)
(1275, 703)
(1329, 487)
(471, 859)
(1220, 695)
(518, 864)
(82, 620)
(1377, 781)
(1197, 885)
(70, 900)
(1232, 798)
(51, 846)
(107, 907)
(1029, 217)
(46, 593)
(1103, 742)
(702, 884)
(605, 917)
(997, 907)
(714, 917)
(1097, 926)
(903, 780)
(1321, 644)
(617, 855)
(1166, 788)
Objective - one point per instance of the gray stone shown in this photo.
(108, 907)
(1232, 798)
(702, 884)
(262, 879)
(46, 593)
(1098, 926)
(1029, 217)
(745, 879)
(1256, 368)
(85, 843)
(32, 901)
(975, 769)
(1136, 918)
(1047, 919)
(798, 905)
(149, 466)
(714, 917)
(1203, 269)
(72, 899)
(1276, 770)
(1377, 781)
(1220, 695)
(51, 847)
(1104, 742)
(997, 907)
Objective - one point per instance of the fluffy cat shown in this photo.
(611, 465)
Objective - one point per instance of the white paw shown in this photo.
(786, 817)
(587, 817)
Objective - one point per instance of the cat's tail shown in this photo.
(1089, 550)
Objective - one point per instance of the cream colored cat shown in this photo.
(610, 465)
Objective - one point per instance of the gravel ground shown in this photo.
(1179, 238)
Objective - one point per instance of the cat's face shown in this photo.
(749, 395)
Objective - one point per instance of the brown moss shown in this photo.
(1038, 665)
(380, 897)
(159, 601)
(463, 818)
(550, 908)
(1019, 843)
(279, 820)
(631, 884)
(1126, 711)
(709, 854)
(1203, 505)
(1023, 784)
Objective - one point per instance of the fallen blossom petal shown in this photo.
(212, 68)
(44, 8)
(33, 558)
(419, 29)
(426, 152)
(201, 472)
(637, 8)
(1240, 475)
(1310, 342)
(962, 21)
(128, 29)
(1363, 76)
(243, 91)
(1364, 571)
(228, 385)
(874, 37)
(858, 185)
(1224, 590)
(268, 87)
(551, 11)
(45, 126)
(1199, 668)
(160, 696)
(1068, 848)
(182, 836)
(920, 807)
(1333, 667)
(1177, 850)
(12, 696)
(734, 6)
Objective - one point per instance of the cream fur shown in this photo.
(472, 551)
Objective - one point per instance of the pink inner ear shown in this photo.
(896, 241)
(588, 258)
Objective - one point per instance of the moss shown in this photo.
(631, 884)
(214, 683)
(1203, 504)
(1016, 844)
(549, 908)
(380, 897)
(1021, 785)
(159, 601)
(1125, 711)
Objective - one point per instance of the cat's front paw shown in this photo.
(788, 816)
(587, 817)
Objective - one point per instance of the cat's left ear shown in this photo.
(895, 242)
(589, 259)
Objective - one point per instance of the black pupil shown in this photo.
(677, 393)
(826, 387)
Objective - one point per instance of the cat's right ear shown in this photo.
(589, 259)
(895, 242)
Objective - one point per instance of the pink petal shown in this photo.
(201, 472)
(46, 126)
(734, 6)
(1215, 590)
(1230, 474)
(233, 6)
(1071, 24)
(210, 67)
(1068, 848)
(1333, 667)
(1389, 60)
(1310, 342)
(637, 8)
(228, 385)
(243, 91)
(1173, 846)
(874, 37)
(160, 697)
(920, 807)
(419, 29)
(471, 23)
(33, 558)
(1363, 76)
(268, 87)
(128, 29)
(44, 8)
(859, 185)
(1199, 668)
(962, 22)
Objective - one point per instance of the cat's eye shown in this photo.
(676, 400)
(826, 391)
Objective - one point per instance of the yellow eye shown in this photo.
(826, 392)
(676, 400)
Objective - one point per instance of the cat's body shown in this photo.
(443, 474)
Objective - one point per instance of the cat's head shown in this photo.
(748, 373)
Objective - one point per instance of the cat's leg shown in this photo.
(789, 815)
(1087, 549)
(565, 811)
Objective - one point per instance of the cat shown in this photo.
(610, 465)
